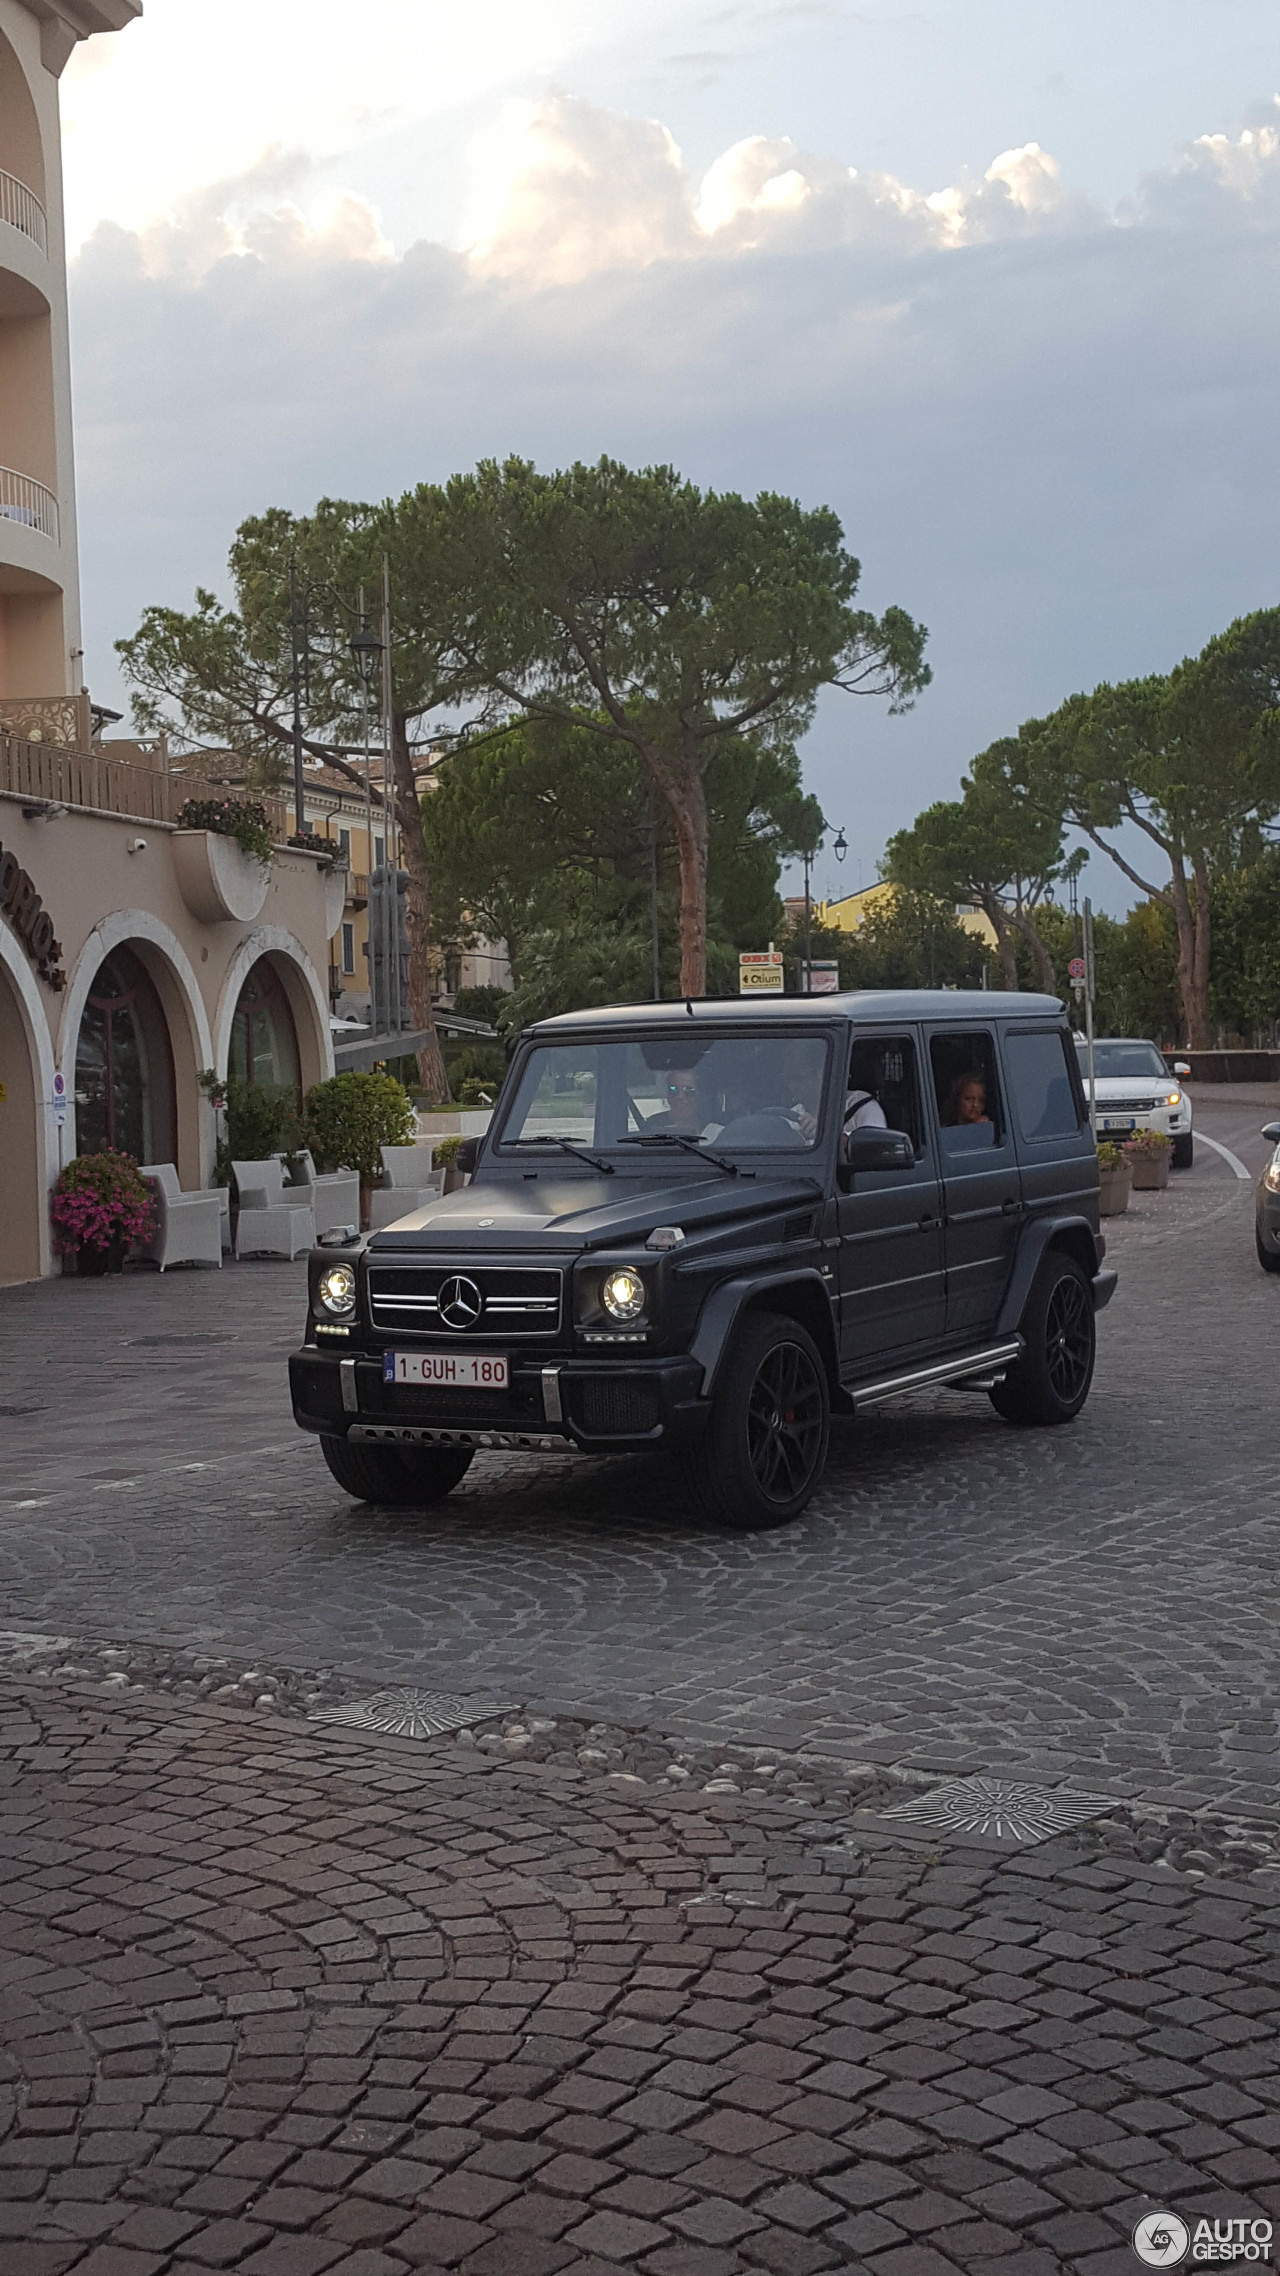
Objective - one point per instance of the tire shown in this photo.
(402, 1478)
(1267, 1258)
(1050, 1383)
(1184, 1151)
(765, 1447)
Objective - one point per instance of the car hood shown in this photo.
(589, 1212)
(1133, 1086)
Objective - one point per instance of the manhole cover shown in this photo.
(408, 1714)
(29, 1410)
(152, 1343)
(995, 1809)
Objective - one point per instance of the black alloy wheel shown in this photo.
(400, 1477)
(1050, 1383)
(1269, 1259)
(765, 1447)
(1184, 1151)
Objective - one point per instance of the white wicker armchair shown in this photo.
(270, 1224)
(409, 1184)
(188, 1225)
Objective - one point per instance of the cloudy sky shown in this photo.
(995, 278)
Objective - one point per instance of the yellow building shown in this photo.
(849, 914)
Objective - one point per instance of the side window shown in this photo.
(883, 1086)
(968, 1093)
(1044, 1098)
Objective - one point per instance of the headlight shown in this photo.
(622, 1295)
(1271, 1175)
(1173, 1098)
(336, 1288)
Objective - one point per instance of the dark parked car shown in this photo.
(1266, 1205)
(701, 1228)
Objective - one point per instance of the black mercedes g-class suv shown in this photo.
(700, 1228)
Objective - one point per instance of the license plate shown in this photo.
(448, 1370)
(1112, 1122)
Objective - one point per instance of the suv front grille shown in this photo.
(464, 1301)
(1128, 1105)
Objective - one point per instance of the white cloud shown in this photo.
(1048, 429)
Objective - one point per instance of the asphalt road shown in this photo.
(1096, 1603)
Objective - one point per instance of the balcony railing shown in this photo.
(22, 209)
(58, 777)
(22, 500)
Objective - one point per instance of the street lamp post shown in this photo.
(808, 857)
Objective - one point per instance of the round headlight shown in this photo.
(622, 1295)
(337, 1288)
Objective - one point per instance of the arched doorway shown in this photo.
(264, 1038)
(24, 1203)
(124, 1065)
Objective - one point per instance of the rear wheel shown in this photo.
(406, 1478)
(1050, 1383)
(1267, 1258)
(766, 1444)
(1184, 1150)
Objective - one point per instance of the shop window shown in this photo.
(124, 1065)
(264, 1040)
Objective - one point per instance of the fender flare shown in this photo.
(726, 1304)
(1038, 1236)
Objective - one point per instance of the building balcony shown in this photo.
(22, 209)
(39, 765)
(26, 501)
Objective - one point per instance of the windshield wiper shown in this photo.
(691, 1146)
(592, 1161)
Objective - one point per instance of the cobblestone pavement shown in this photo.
(1096, 1603)
(291, 2001)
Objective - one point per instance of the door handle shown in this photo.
(1011, 1209)
(926, 1221)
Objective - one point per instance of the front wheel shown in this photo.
(1269, 1259)
(1050, 1383)
(766, 1443)
(403, 1477)
(1184, 1151)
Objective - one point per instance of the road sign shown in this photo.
(760, 973)
(1076, 968)
(823, 977)
(60, 1102)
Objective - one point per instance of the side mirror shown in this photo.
(1271, 1132)
(1180, 1067)
(875, 1150)
(465, 1158)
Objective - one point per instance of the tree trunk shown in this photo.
(681, 785)
(1026, 925)
(998, 917)
(1194, 994)
(431, 1074)
(1200, 956)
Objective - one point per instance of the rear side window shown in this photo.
(968, 1093)
(1043, 1094)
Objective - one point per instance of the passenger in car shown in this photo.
(966, 1101)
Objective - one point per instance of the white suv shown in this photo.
(1137, 1092)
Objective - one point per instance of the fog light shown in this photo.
(336, 1288)
(622, 1295)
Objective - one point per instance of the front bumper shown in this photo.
(1104, 1287)
(627, 1406)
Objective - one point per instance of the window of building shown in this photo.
(379, 850)
(264, 1040)
(1044, 1096)
(348, 948)
(968, 1092)
(344, 840)
(124, 1065)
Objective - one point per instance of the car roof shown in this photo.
(861, 1004)
(1143, 1039)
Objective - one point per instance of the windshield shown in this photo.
(761, 1093)
(1126, 1059)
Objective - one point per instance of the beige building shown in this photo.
(136, 954)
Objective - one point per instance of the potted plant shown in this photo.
(1114, 1181)
(351, 1118)
(1149, 1155)
(444, 1156)
(100, 1206)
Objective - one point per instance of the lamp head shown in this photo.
(366, 652)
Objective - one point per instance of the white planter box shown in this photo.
(219, 883)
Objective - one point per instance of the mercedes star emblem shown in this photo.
(460, 1302)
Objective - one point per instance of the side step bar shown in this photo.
(987, 1365)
